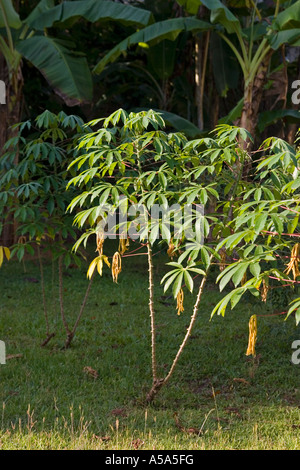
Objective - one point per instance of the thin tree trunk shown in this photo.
(292, 129)
(201, 55)
(253, 94)
(158, 384)
(152, 314)
(71, 334)
(61, 295)
(10, 114)
(49, 335)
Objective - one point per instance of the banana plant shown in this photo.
(252, 46)
(65, 69)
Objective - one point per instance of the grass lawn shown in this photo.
(50, 399)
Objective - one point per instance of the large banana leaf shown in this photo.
(225, 67)
(162, 58)
(153, 34)
(289, 18)
(92, 10)
(8, 15)
(222, 15)
(191, 6)
(267, 118)
(290, 36)
(180, 124)
(66, 71)
(234, 114)
(42, 7)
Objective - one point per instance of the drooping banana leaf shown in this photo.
(92, 10)
(225, 68)
(290, 36)
(191, 6)
(267, 118)
(180, 124)
(8, 15)
(289, 18)
(234, 114)
(42, 7)
(66, 70)
(153, 34)
(222, 15)
(161, 59)
(256, 32)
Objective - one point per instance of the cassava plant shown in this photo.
(130, 159)
(34, 193)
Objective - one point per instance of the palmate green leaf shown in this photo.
(180, 274)
(180, 124)
(177, 285)
(171, 277)
(293, 224)
(295, 308)
(205, 257)
(188, 281)
(154, 233)
(291, 186)
(197, 270)
(229, 272)
(239, 273)
(260, 222)
(233, 240)
(235, 295)
(66, 70)
(8, 14)
(167, 29)
(278, 224)
(255, 269)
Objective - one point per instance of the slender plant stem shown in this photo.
(200, 72)
(236, 53)
(72, 333)
(61, 295)
(257, 60)
(256, 10)
(158, 384)
(243, 48)
(43, 290)
(152, 313)
(8, 30)
(189, 330)
(151, 285)
(277, 8)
